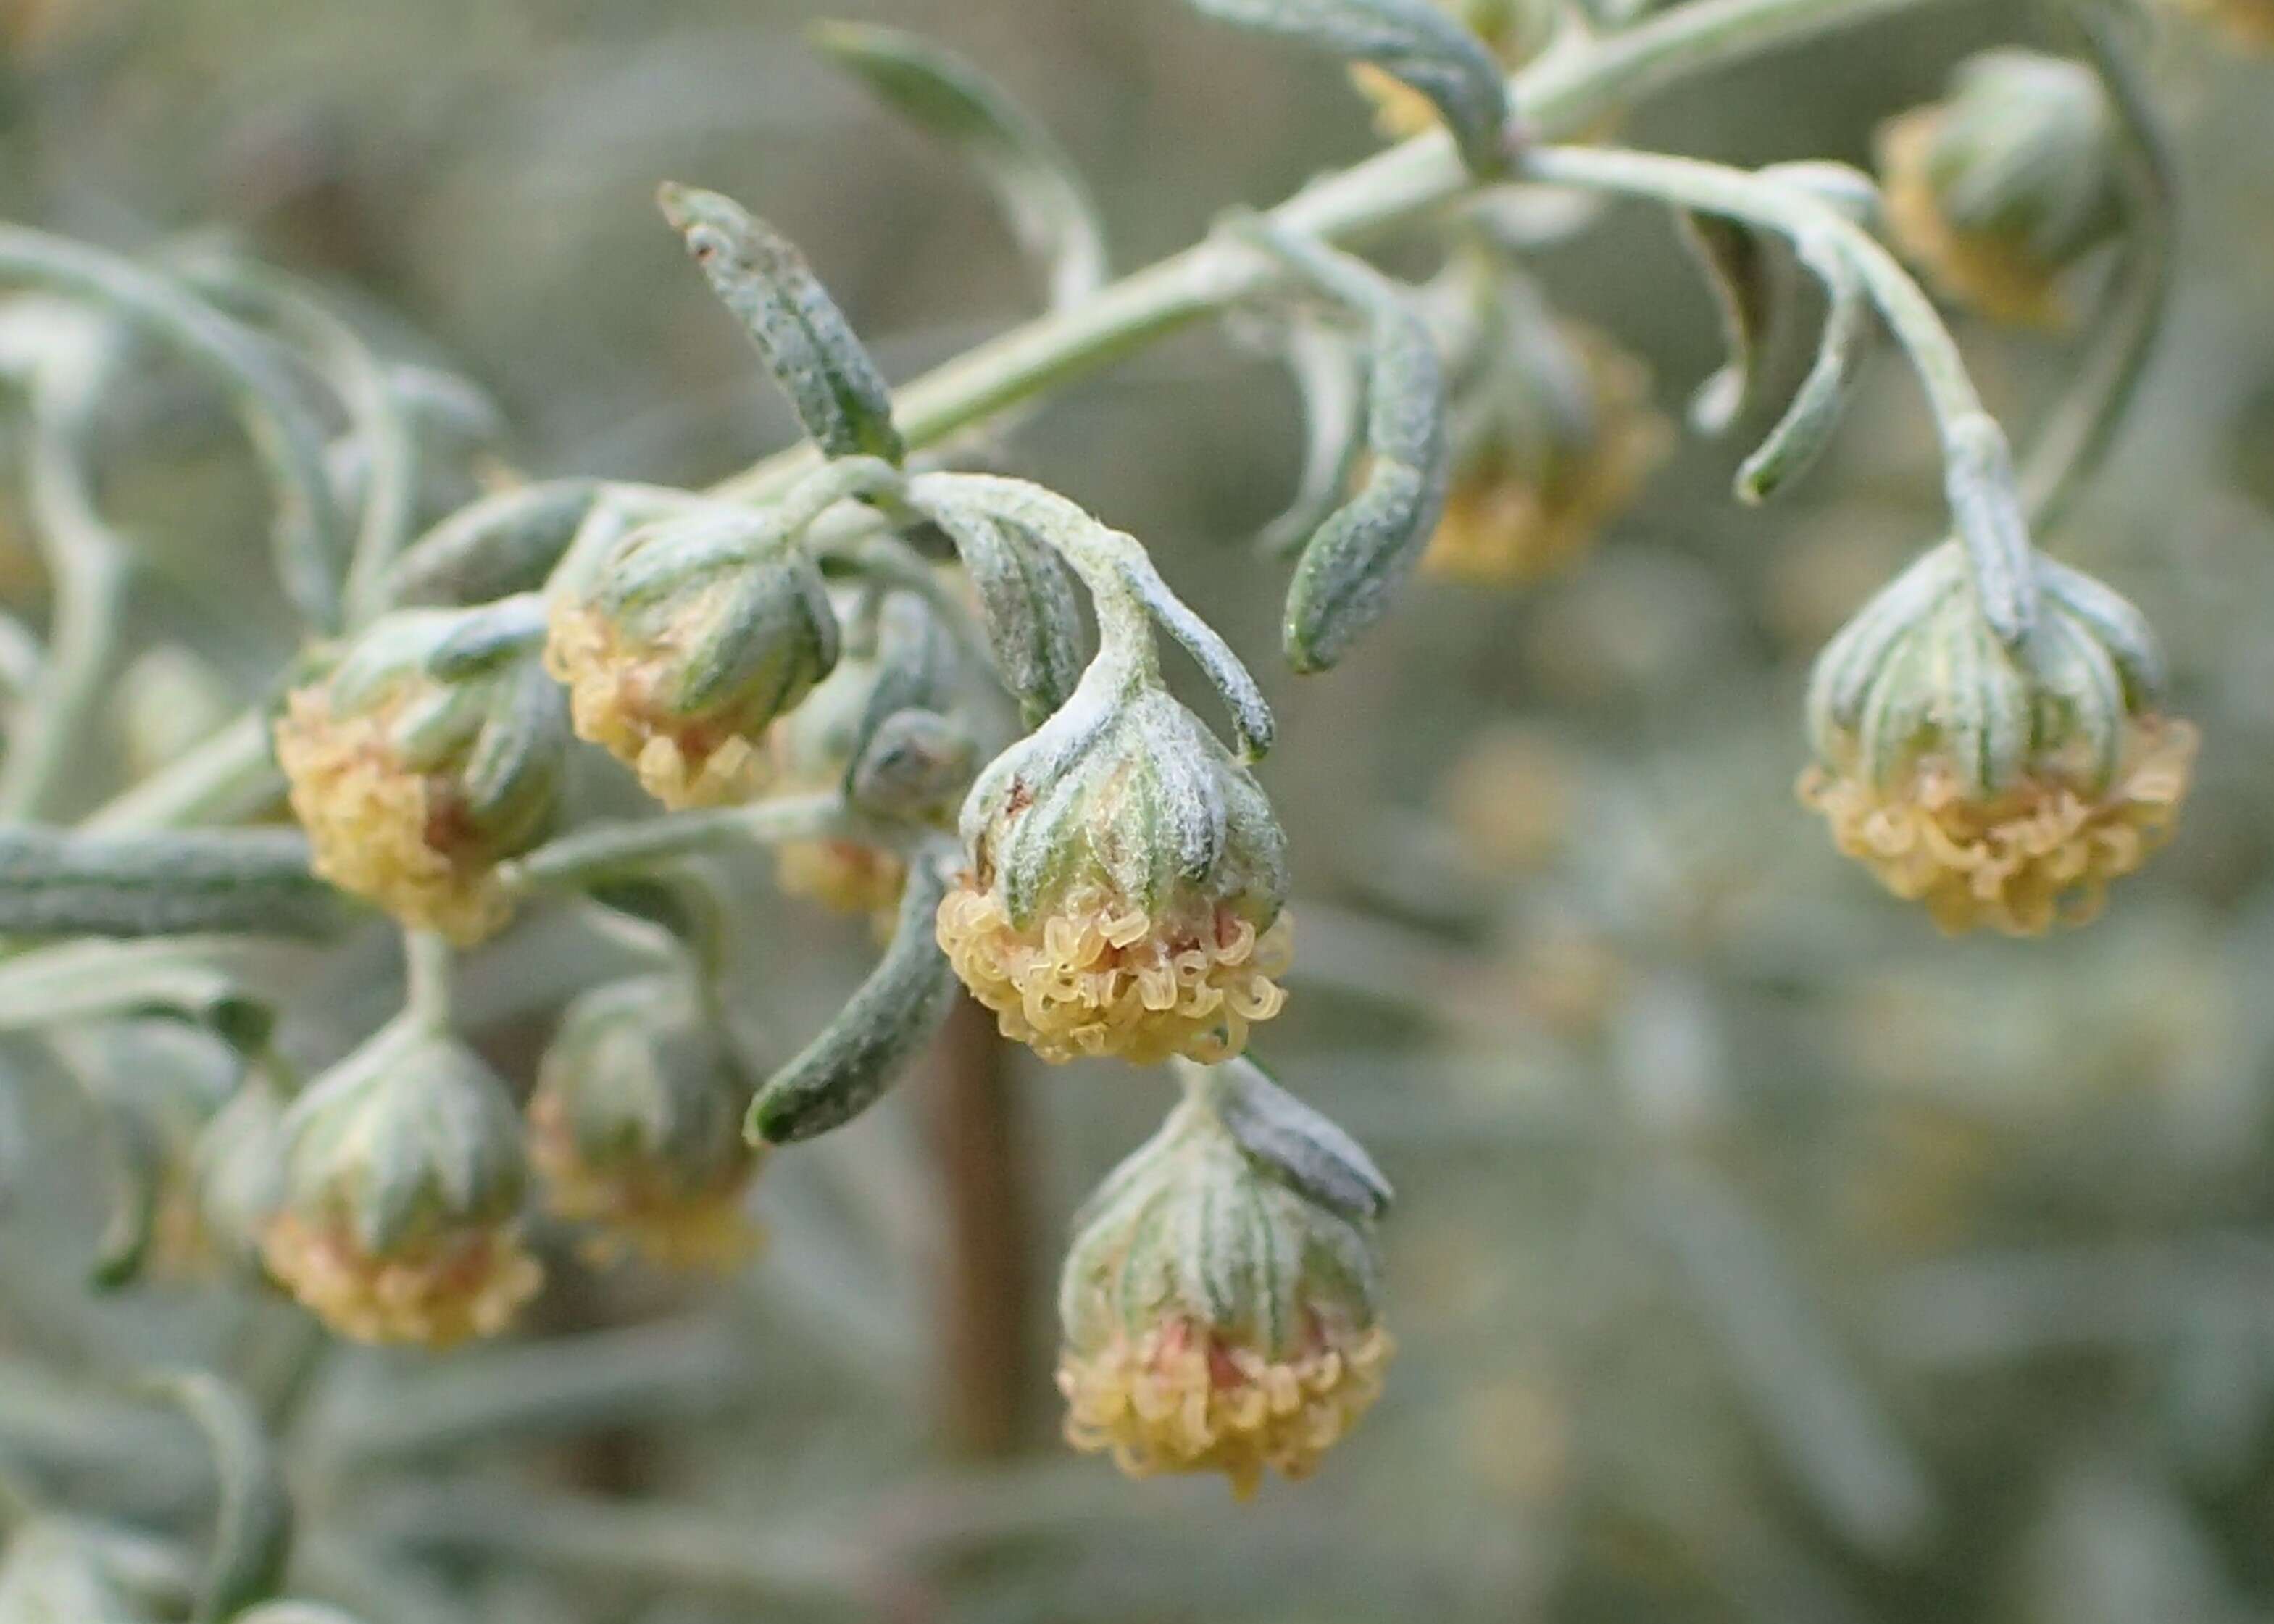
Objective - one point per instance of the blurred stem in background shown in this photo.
(979, 1139)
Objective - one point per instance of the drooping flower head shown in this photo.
(403, 1177)
(1124, 883)
(1219, 1307)
(1554, 433)
(635, 1126)
(1998, 191)
(681, 647)
(416, 768)
(1998, 786)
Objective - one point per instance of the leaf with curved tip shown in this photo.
(807, 342)
(1415, 42)
(863, 1052)
(1049, 209)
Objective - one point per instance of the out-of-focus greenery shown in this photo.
(1761, 1254)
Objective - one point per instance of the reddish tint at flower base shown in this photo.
(2039, 851)
(1099, 977)
(441, 1291)
(1179, 1400)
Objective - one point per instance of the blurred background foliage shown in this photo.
(1761, 1255)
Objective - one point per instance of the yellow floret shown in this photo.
(638, 1207)
(2040, 850)
(1994, 273)
(1096, 976)
(1181, 1399)
(379, 830)
(681, 762)
(466, 1283)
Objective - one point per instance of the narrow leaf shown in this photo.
(1411, 40)
(863, 1051)
(806, 341)
(1027, 600)
(1808, 422)
(1330, 376)
(1353, 565)
(55, 882)
(501, 544)
(253, 1532)
(1987, 507)
(1739, 268)
(1048, 208)
(1297, 1143)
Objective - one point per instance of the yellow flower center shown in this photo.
(379, 830)
(2041, 850)
(465, 1283)
(1181, 1399)
(845, 876)
(1994, 272)
(637, 1207)
(682, 762)
(1098, 976)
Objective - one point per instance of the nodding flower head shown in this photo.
(680, 648)
(635, 1126)
(1999, 788)
(403, 1184)
(413, 785)
(1997, 192)
(1123, 888)
(1216, 1315)
(1515, 31)
(1554, 434)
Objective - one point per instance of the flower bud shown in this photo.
(1124, 888)
(413, 787)
(1998, 787)
(403, 1177)
(1217, 1316)
(2001, 189)
(683, 648)
(635, 1126)
(1553, 435)
(1515, 31)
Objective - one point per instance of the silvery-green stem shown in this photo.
(227, 778)
(603, 852)
(427, 961)
(1558, 98)
(88, 568)
(1985, 506)
(2072, 445)
(283, 436)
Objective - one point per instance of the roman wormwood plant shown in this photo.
(935, 690)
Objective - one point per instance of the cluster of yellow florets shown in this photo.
(847, 875)
(2041, 850)
(1097, 976)
(1506, 525)
(1178, 1399)
(611, 701)
(1993, 271)
(640, 1208)
(439, 1291)
(380, 829)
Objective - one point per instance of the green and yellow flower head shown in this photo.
(1220, 1305)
